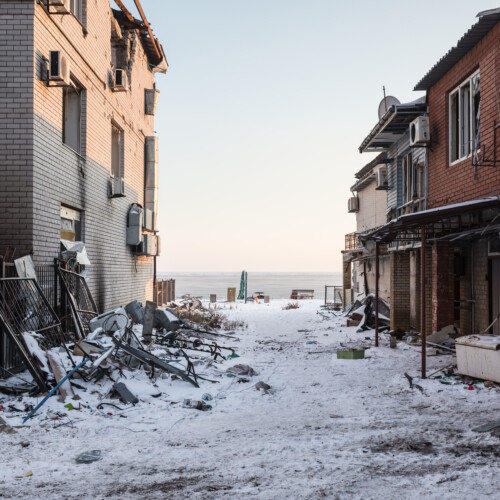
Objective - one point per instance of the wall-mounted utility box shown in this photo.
(479, 356)
(353, 205)
(134, 226)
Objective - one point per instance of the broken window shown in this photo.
(72, 114)
(116, 151)
(71, 224)
(464, 121)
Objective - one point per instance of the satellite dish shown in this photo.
(385, 105)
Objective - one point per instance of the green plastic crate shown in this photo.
(351, 354)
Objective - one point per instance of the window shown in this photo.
(72, 113)
(465, 110)
(76, 8)
(409, 178)
(116, 151)
(71, 224)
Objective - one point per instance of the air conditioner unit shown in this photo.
(148, 244)
(158, 246)
(353, 205)
(59, 69)
(134, 226)
(59, 7)
(419, 131)
(120, 80)
(116, 187)
(382, 178)
(148, 220)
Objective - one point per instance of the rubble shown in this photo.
(108, 347)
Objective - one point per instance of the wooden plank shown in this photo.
(59, 372)
(150, 33)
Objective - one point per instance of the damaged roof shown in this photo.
(152, 47)
(487, 21)
(392, 126)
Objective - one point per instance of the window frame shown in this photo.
(79, 91)
(457, 129)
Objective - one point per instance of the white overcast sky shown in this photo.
(262, 111)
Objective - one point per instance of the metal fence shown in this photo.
(48, 282)
(334, 297)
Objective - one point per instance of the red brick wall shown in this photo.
(457, 183)
(442, 285)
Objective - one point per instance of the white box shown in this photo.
(479, 356)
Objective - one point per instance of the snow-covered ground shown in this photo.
(328, 429)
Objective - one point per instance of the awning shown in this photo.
(392, 126)
(439, 221)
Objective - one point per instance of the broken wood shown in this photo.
(59, 372)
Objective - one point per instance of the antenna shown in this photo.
(386, 104)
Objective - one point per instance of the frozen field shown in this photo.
(328, 428)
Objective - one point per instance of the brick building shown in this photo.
(443, 191)
(77, 92)
(463, 96)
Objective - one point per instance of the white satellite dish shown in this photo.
(385, 105)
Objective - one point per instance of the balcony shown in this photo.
(352, 242)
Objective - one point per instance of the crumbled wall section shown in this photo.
(16, 124)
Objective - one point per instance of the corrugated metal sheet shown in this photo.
(487, 21)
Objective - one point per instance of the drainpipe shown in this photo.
(422, 298)
(377, 254)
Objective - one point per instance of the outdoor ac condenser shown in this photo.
(116, 187)
(353, 205)
(59, 69)
(120, 81)
(419, 131)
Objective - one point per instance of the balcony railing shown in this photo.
(352, 241)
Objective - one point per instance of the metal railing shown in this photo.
(352, 241)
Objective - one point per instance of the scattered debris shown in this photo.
(262, 385)
(87, 457)
(125, 395)
(351, 354)
(196, 405)
(241, 370)
(6, 428)
(487, 427)
(291, 305)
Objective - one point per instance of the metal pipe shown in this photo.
(377, 255)
(422, 297)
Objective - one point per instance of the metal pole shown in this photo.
(422, 297)
(377, 254)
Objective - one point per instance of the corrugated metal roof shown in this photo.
(392, 126)
(487, 21)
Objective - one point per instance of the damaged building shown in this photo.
(441, 179)
(80, 158)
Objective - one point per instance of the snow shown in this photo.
(328, 428)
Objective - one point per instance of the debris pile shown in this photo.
(107, 351)
(362, 313)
